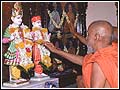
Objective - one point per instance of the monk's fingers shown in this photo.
(45, 42)
(48, 44)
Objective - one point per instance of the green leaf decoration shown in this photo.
(44, 67)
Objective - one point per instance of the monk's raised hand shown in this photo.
(50, 46)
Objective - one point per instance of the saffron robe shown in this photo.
(107, 59)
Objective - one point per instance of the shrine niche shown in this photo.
(55, 17)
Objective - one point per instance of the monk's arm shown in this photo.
(71, 57)
(97, 77)
(80, 37)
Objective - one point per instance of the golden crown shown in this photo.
(17, 10)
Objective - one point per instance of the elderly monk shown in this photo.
(84, 40)
(100, 69)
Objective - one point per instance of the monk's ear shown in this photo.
(97, 36)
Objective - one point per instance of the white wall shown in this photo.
(101, 11)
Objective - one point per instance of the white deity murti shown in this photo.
(40, 52)
(20, 49)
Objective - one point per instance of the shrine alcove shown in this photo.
(31, 9)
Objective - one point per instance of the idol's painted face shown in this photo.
(17, 19)
(38, 23)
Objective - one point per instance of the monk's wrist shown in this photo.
(57, 51)
(76, 34)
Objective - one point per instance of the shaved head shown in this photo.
(100, 33)
(103, 28)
